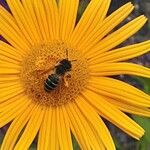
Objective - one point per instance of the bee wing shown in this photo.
(43, 71)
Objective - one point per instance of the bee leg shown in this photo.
(66, 76)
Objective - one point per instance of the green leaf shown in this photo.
(145, 123)
(83, 4)
(144, 143)
(145, 82)
(75, 143)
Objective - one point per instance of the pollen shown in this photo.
(41, 62)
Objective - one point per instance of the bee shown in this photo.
(61, 71)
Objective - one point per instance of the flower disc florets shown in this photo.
(41, 62)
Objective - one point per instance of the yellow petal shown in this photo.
(128, 108)
(14, 110)
(8, 50)
(16, 127)
(77, 127)
(9, 22)
(31, 129)
(102, 29)
(117, 37)
(63, 131)
(29, 10)
(5, 104)
(51, 9)
(5, 57)
(114, 115)
(10, 35)
(22, 19)
(9, 92)
(9, 63)
(119, 90)
(9, 71)
(53, 133)
(97, 123)
(6, 79)
(93, 16)
(110, 69)
(122, 54)
(45, 129)
(42, 19)
(68, 13)
(8, 86)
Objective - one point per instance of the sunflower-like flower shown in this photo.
(41, 97)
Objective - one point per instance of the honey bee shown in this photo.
(61, 71)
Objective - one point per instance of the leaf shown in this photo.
(82, 5)
(145, 123)
(75, 143)
(144, 143)
(145, 82)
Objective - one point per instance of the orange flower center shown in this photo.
(41, 63)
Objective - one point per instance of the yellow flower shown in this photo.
(42, 34)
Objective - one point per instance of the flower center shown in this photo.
(41, 64)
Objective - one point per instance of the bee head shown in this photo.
(66, 63)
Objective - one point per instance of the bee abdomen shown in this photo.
(51, 82)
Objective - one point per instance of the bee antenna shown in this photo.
(74, 60)
(67, 53)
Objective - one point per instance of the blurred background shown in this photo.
(123, 141)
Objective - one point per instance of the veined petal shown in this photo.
(42, 19)
(94, 139)
(45, 129)
(48, 132)
(9, 22)
(10, 35)
(93, 16)
(12, 84)
(8, 78)
(29, 10)
(5, 79)
(22, 19)
(96, 122)
(68, 13)
(31, 129)
(103, 28)
(9, 104)
(105, 108)
(9, 71)
(119, 90)
(16, 127)
(110, 69)
(9, 92)
(53, 133)
(8, 115)
(117, 37)
(9, 63)
(128, 108)
(52, 18)
(122, 54)
(77, 127)
(6, 49)
(63, 131)
(7, 57)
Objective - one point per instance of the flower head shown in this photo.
(40, 96)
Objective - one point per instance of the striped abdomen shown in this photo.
(51, 82)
